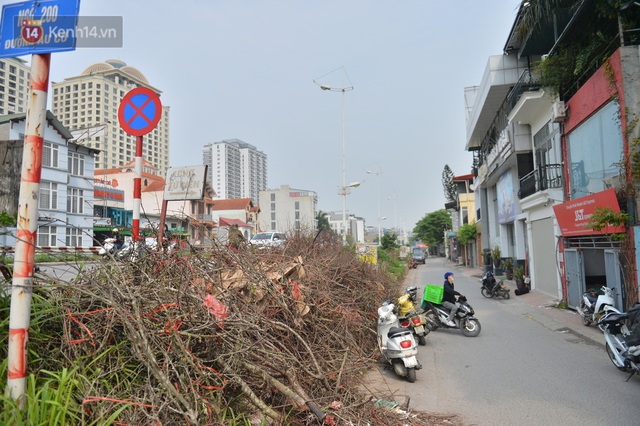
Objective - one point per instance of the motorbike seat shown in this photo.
(397, 331)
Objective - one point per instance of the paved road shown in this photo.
(532, 364)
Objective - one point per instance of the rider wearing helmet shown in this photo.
(119, 239)
(449, 298)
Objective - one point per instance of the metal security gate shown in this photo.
(575, 276)
(613, 273)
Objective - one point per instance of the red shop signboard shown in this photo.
(573, 216)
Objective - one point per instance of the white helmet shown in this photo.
(115, 230)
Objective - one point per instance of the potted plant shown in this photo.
(507, 264)
(518, 276)
(495, 254)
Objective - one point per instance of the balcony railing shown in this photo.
(526, 83)
(544, 177)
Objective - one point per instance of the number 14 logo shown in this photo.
(31, 31)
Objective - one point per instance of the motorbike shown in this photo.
(621, 345)
(493, 288)
(411, 317)
(129, 251)
(396, 343)
(593, 305)
(464, 319)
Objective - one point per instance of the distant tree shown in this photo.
(323, 221)
(448, 185)
(467, 232)
(430, 229)
(389, 241)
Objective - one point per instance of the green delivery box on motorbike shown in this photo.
(432, 293)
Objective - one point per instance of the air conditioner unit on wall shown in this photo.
(558, 111)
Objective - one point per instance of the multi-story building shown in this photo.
(236, 169)
(286, 209)
(65, 202)
(14, 86)
(356, 226)
(88, 105)
(554, 146)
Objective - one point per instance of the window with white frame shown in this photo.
(50, 153)
(74, 237)
(47, 236)
(75, 200)
(76, 164)
(48, 195)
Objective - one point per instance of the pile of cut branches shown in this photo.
(277, 336)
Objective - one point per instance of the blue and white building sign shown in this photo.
(35, 27)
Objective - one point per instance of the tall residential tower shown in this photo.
(236, 169)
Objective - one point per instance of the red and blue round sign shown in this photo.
(139, 111)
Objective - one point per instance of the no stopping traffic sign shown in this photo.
(139, 111)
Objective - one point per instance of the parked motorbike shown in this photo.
(412, 317)
(593, 305)
(621, 345)
(397, 344)
(464, 320)
(492, 287)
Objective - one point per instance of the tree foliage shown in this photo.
(389, 241)
(323, 221)
(430, 229)
(448, 185)
(467, 232)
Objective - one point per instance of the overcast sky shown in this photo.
(245, 68)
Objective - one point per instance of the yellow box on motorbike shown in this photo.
(433, 293)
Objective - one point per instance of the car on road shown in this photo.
(268, 239)
(419, 256)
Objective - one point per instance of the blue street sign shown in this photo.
(34, 27)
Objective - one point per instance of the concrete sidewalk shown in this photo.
(558, 318)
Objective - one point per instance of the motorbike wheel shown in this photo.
(612, 357)
(422, 340)
(506, 294)
(470, 327)
(432, 320)
(486, 293)
(585, 316)
(411, 375)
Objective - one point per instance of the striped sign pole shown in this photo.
(27, 228)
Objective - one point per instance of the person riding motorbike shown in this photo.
(119, 240)
(449, 298)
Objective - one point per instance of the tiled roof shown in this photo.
(229, 222)
(232, 204)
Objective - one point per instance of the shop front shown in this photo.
(589, 259)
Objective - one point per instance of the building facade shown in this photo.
(551, 154)
(65, 201)
(236, 169)
(14, 86)
(287, 210)
(88, 105)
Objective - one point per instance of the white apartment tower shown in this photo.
(14, 86)
(88, 105)
(236, 169)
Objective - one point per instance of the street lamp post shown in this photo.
(344, 187)
(395, 212)
(377, 173)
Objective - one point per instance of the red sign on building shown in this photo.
(573, 216)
